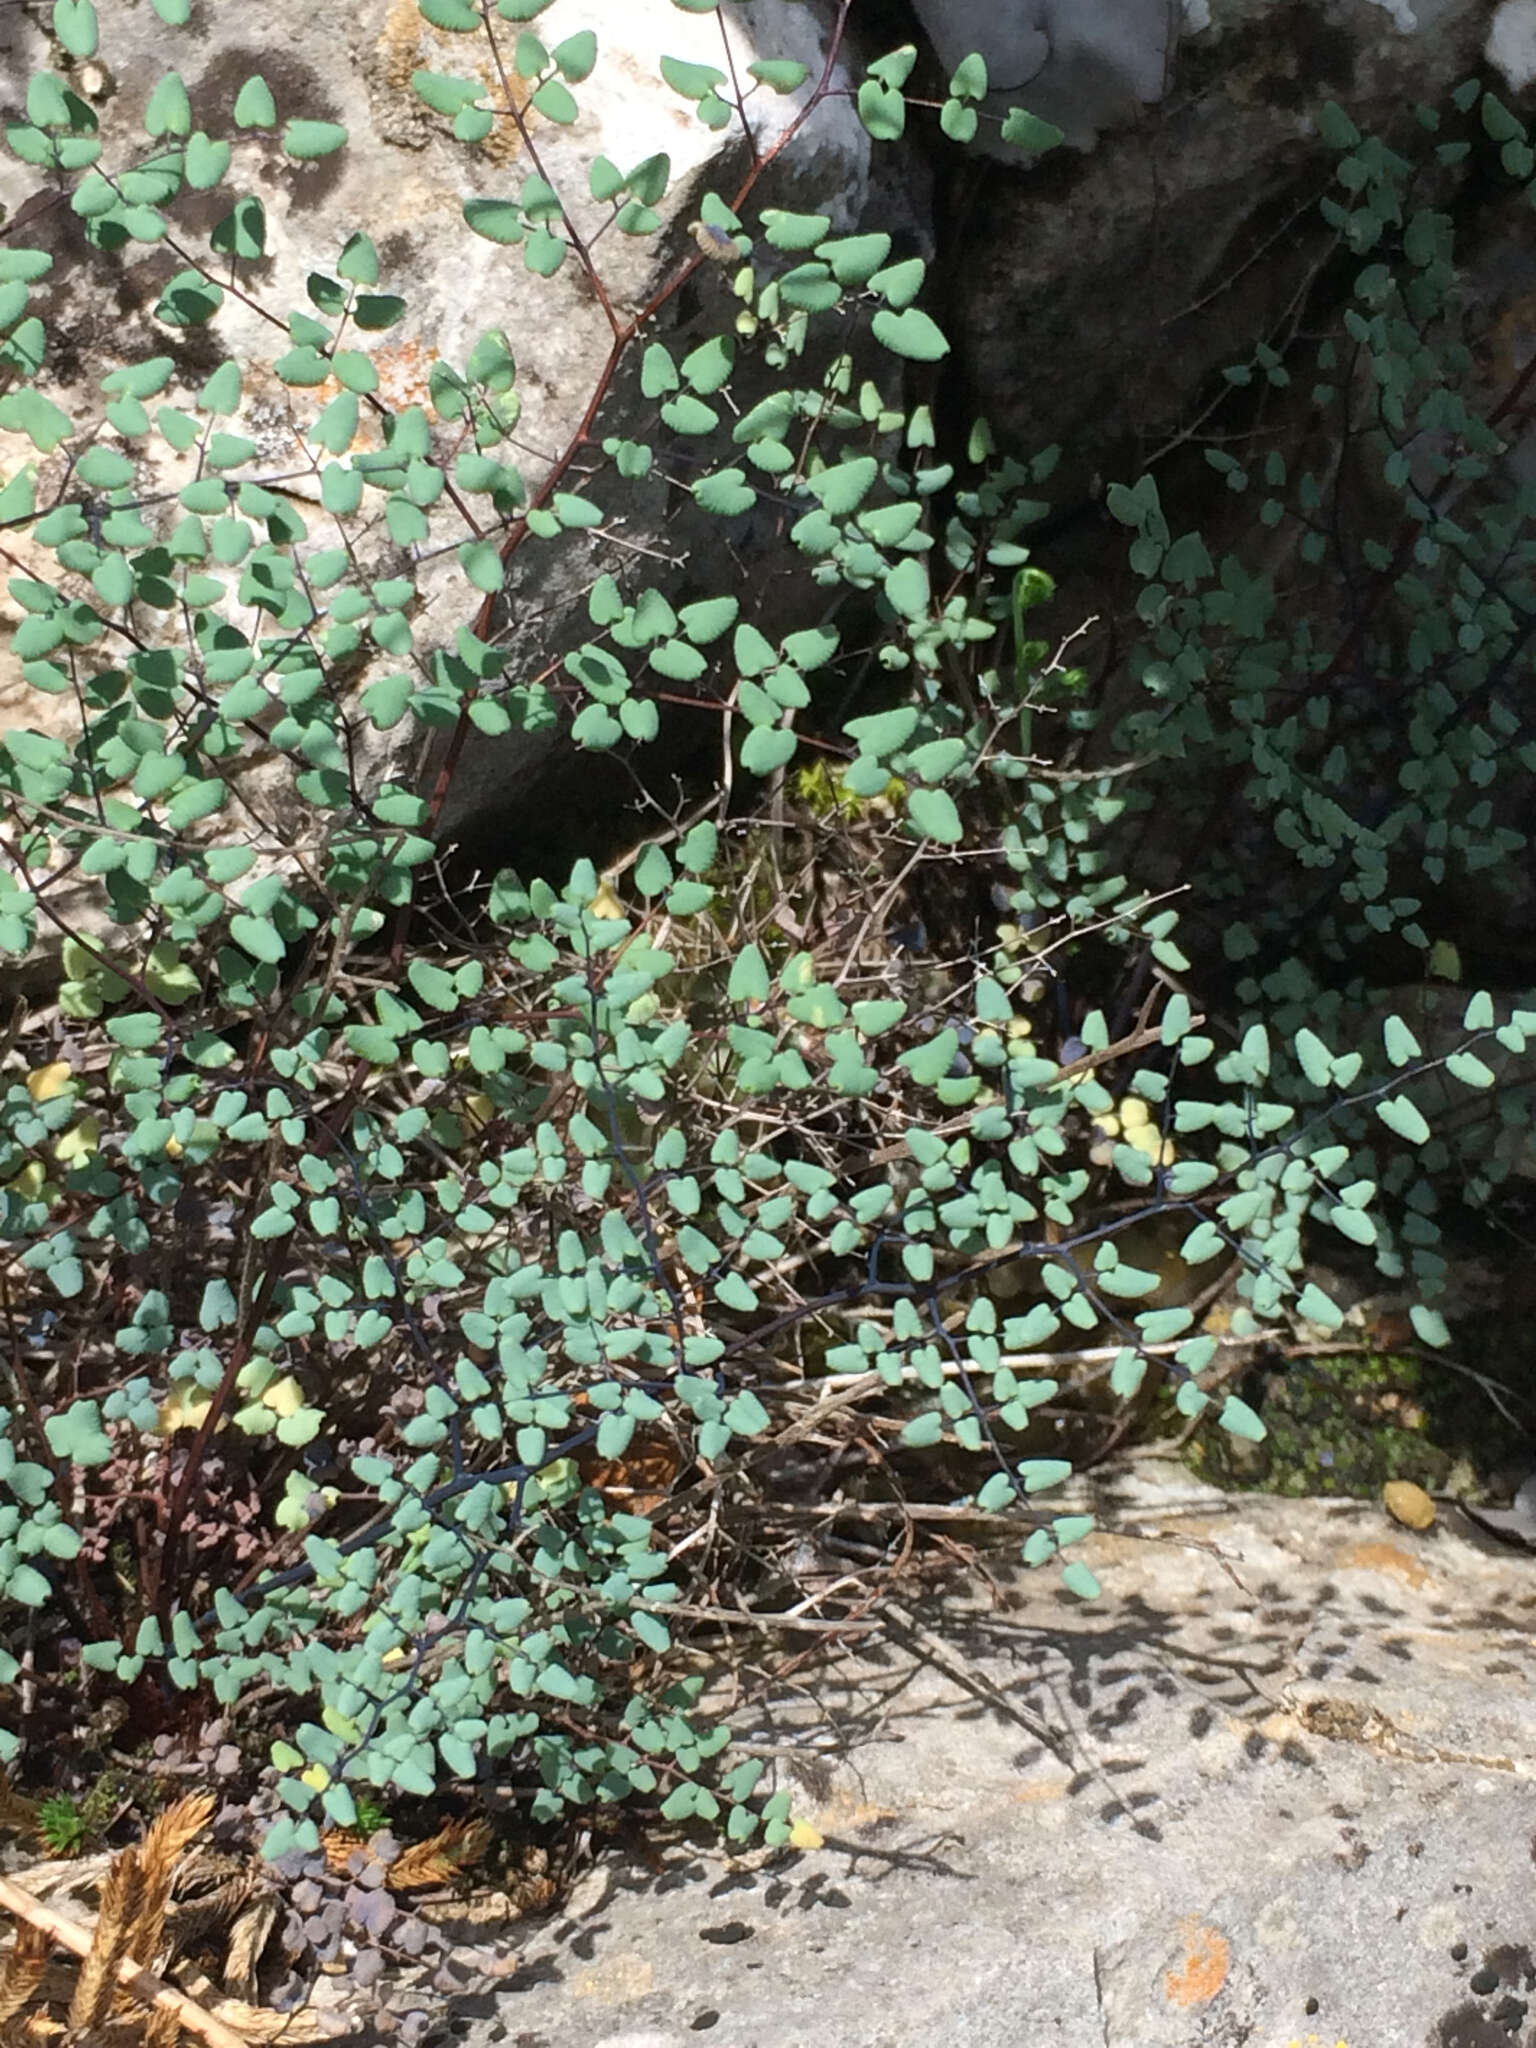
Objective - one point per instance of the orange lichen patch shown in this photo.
(408, 43)
(844, 1812)
(404, 368)
(1207, 1959)
(1042, 1792)
(1383, 1557)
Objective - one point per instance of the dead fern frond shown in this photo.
(249, 1934)
(162, 2028)
(121, 1894)
(30, 2030)
(442, 1857)
(122, 1898)
(169, 1835)
(339, 1846)
(24, 1969)
(18, 1816)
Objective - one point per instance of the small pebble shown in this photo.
(1483, 1982)
(1408, 1504)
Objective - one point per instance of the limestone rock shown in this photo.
(402, 178)
(1091, 296)
(1277, 1784)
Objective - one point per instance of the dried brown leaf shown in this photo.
(258, 2024)
(213, 1910)
(116, 2033)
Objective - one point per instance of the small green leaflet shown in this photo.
(748, 981)
(305, 140)
(882, 110)
(1403, 1119)
(726, 493)
(74, 23)
(692, 81)
(498, 220)
(1027, 132)
(254, 105)
(933, 814)
(910, 333)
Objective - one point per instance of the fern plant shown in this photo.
(347, 1257)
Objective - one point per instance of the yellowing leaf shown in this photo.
(1148, 1139)
(44, 1083)
(81, 1141)
(341, 1725)
(184, 1408)
(559, 1481)
(317, 1777)
(284, 1396)
(1408, 1504)
(168, 975)
(803, 1836)
(479, 1110)
(605, 903)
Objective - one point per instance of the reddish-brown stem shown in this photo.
(159, 1569)
(60, 1472)
(134, 981)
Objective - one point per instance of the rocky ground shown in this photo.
(1277, 1787)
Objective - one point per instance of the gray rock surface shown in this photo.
(1091, 298)
(403, 179)
(1084, 67)
(1276, 1787)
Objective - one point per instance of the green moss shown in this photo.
(1342, 1425)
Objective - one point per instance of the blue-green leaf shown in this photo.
(1403, 1119)
(910, 333)
(306, 140)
